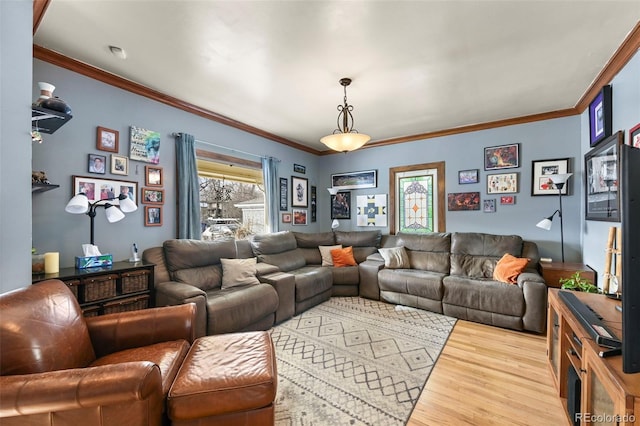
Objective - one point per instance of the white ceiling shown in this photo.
(417, 66)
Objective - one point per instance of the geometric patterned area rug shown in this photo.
(355, 361)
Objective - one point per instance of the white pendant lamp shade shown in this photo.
(79, 204)
(128, 206)
(113, 213)
(345, 142)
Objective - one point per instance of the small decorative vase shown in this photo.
(47, 100)
(37, 264)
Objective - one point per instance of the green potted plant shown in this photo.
(576, 283)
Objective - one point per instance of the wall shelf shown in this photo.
(46, 120)
(42, 187)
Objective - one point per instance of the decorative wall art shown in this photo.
(107, 139)
(284, 191)
(153, 176)
(503, 183)
(416, 210)
(541, 171)
(152, 216)
(100, 189)
(297, 168)
(371, 210)
(355, 180)
(314, 200)
(299, 192)
(341, 205)
(299, 217)
(634, 136)
(508, 199)
(489, 205)
(602, 166)
(97, 164)
(502, 157)
(461, 201)
(600, 116)
(152, 196)
(119, 165)
(286, 217)
(468, 176)
(144, 145)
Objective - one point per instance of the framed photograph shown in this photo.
(153, 176)
(508, 199)
(97, 164)
(97, 189)
(461, 201)
(468, 176)
(489, 205)
(600, 116)
(119, 165)
(634, 136)
(152, 196)
(502, 157)
(299, 192)
(314, 202)
(602, 166)
(341, 205)
(107, 139)
(286, 217)
(284, 190)
(297, 168)
(144, 145)
(355, 180)
(502, 183)
(299, 217)
(541, 172)
(152, 216)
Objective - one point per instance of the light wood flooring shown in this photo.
(490, 376)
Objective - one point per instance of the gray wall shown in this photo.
(15, 144)
(626, 114)
(558, 138)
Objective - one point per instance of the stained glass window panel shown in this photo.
(416, 204)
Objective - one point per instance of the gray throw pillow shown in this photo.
(237, 272)
(395, 258)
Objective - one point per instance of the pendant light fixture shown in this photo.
(345, 138)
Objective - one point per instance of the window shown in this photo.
(231, 197)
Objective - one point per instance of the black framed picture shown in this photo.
(97, 163)
(502, 157)
(284, 190)
(299, 192)
(314, 202)
(541, 172)
(468, 176)
(602, 166)
(341, 205)
(600, 116)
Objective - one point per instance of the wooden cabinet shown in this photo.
(606, 396)
(125, 286)
(553, 271)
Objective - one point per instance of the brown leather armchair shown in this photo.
(59, 368)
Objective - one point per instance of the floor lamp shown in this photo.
(335, 223)
(559, 181)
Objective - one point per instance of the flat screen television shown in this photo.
(630, 214)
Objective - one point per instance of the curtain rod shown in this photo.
(176, 134)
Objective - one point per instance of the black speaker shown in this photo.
(574, 387)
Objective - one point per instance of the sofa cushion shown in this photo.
(360, 254)
(325, 253)
(235, 308)
(205, 277)
(274, 243)
(427, 252)
(237, 272)
(358, 238)
(475, 255)
(508, 268)
(415, 282)
(286, 261)
(343, 257)
(484, 295)
(347, 275)
(314, 239)
(311, 281)
(395, 257)
(185, 254)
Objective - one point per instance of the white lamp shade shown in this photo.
(79, 204)
(332, 190)
(560, 178)
(544, 224)
(335, 224)
(345, 142)
(113, 213)
(128, 206)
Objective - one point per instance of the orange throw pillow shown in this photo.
(343, 257)
(508, 268)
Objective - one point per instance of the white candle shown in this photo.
(52, 262)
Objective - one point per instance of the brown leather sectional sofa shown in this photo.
(450, 273)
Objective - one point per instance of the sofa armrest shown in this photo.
(263, 268)
(115, 385)
(124, 330)
(376, 257)
(170, 293)
(285, 285)
(535, 299)
(529, 276)
(368, 270)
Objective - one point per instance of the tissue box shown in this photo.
(94, 261)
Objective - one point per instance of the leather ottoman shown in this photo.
(226, 379)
